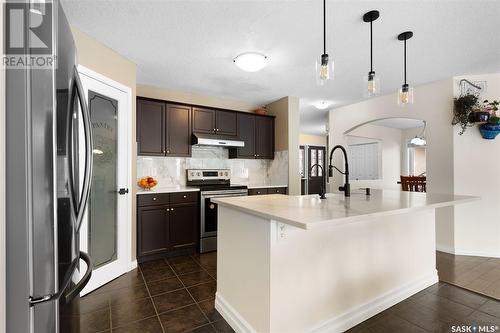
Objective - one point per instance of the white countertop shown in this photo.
(309, 211)
(171, 189)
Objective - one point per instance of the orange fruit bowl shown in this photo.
(147, 182)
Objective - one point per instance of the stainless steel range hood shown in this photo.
(200, 139)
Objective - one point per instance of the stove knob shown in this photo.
(225, 173)
(220, 173)
(198, 174)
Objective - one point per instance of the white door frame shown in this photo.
(126, 223)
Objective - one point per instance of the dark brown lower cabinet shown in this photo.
(167, 227)
(268, 190)
(153, 230)
(182, 231)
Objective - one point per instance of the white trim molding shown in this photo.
(365, 311)
(446, 249)
(233, 317)
(476, 253)
(344, 321)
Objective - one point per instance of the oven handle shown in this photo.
(214, 195)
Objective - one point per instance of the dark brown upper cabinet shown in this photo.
(163, 129)
(178, 133)
(246, 127)
(214, 121)
(150, 128)
(258, 134)
(203, 120)
(264, 137)
(225, 122)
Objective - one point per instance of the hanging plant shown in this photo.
(463, 108)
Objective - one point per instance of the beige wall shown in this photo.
(307, 139)
(192, 98)
(286, 134)
(433, 103)
(477, 165)
(107, 62)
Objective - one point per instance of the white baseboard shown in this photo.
(233, 317)
(461, 252)
(446, 249)
(344, 321)
(361, 313)
(477, 253)
(133, 264)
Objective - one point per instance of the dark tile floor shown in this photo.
(177, 295)
(479, 274)
(174, 295)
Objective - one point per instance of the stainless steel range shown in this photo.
(213, 183)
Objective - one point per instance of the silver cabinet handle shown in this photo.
(184, 196)
(163, 152)
(171, 209)
(168, 209)
(154, 199)
(168, 151)
(215, 130)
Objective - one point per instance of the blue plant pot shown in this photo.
(489, 131)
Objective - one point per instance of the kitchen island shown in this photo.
(301, 264)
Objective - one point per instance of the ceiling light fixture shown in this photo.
(405, 95)
(322, 105)
(251, 61)
(324, 65)
(371, 82)
(419, 140)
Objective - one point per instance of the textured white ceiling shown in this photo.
(189, 45)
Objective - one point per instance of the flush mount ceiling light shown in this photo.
(405, 95)
(419, 140)
(251, 61)
(322, 105)
(371, 82)
(324, 65)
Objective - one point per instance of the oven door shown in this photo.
(208, 210)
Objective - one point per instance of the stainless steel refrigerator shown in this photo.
(49, 166)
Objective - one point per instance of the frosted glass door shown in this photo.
(102, 230)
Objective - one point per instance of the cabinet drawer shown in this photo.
(153, 199)
(183, 197)
(276, 190)
(257, 191)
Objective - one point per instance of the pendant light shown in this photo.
(371, 82)
(324, 65)
(405, 95)
(419, 140)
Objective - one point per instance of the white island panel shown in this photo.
(272, 277)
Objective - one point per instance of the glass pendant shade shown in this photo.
(405, 95)
(371, 85)
(324, 69)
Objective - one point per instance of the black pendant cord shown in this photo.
(371, 47)
(405, 61)
(324, 26)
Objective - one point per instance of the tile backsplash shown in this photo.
(171, 171)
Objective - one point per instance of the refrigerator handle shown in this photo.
(83, 281)
(67, 279)
(87, 131)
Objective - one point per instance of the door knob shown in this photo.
(123, 191)
(171, 209)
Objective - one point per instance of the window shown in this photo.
(364, 161)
